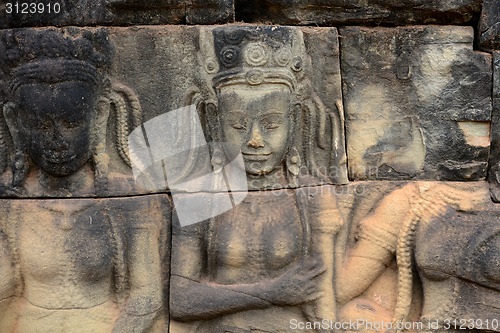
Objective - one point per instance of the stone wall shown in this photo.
(249, 166)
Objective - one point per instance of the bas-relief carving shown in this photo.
(451, 233)
(234, 273)
(253, 269)
(447, 250)
(412, 93)
(78, 265)
(257, 93)
(272, 258)
(84, 265)
(359, 12)
(64, 115)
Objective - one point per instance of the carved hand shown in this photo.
(297, 286)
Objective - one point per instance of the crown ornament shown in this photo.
(54, 55)
(255, 55)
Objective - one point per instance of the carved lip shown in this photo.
(256, 157)
(59, 158)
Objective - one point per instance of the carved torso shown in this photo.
(81, 241)
(258, 239)
(72, 279)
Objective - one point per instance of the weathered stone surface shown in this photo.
(254, 89)
(58, 135)
(489, 25)
(85, 265)
(115, 12)
(372, 12)
(209, 11)
(137, 76)
(238, 271)
(454, 240)
(247, 269)
(494, 163)
(417, 103)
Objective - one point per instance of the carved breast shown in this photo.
(259, 238)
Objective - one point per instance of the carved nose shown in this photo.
(58, 142)
(256, 140)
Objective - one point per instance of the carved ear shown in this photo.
(338, 154)
(296, 113)
(128, 110)
(213, 121)
(100, 157)
(10, 115)
(20, 163)
(103, 107)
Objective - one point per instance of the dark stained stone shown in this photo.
(371, 12)
(116, 12)
(489, 25)
(494, 164)
(417, 103)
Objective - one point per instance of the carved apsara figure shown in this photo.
(74, 265)
(270, 260)
(83, 265)
(58, 112)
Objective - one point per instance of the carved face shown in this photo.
(54, 122)
(257, 119)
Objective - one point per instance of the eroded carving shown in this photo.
(408, 95)
(451, 231)
(58, 113)
(272, 258)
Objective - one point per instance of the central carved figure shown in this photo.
(271, 260)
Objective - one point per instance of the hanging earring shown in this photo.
(293, 163)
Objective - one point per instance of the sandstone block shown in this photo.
(417, 103)
(372, 12)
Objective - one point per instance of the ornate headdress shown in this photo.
(254, 55)
(54, 55)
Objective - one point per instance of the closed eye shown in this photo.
(271, 126)
(272, 121)
(238, 126)
(237, 120)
